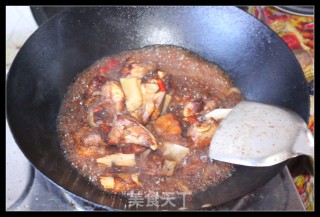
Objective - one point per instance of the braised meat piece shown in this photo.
(126, 130)
(167, 125)
(142, 120)
(201, 133)
(137, 69)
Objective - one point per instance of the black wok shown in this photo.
(257, 60)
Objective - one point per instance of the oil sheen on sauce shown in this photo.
(189, 80)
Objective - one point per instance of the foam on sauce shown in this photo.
(190, 78)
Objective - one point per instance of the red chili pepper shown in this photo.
(105, 127)
(161, 85)
(103, 69)
(192, 119)
(113, 63)
(98, 108)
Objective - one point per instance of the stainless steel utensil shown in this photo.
(257, 134)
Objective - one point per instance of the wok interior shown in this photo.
(257, 61)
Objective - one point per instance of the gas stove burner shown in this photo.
(43, 195)
(22, 191)
(81, 204)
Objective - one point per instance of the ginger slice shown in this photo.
(118, 159)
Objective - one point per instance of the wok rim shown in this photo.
(38, 31)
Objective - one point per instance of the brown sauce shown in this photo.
(187, 78)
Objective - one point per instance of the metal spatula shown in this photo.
(256, 134)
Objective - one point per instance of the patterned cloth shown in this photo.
(298, 33)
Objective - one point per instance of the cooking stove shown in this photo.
(29, 190)
(40, 194)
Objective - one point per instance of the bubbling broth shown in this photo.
(136, 121)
